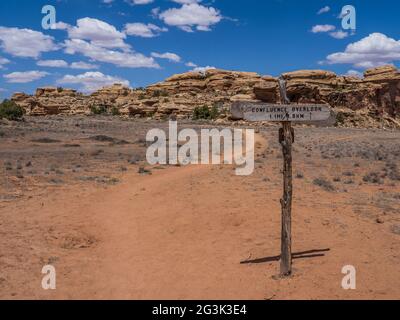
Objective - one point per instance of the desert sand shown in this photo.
(76, 193)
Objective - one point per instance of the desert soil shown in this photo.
(76, 193)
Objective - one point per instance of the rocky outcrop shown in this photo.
(376, 96)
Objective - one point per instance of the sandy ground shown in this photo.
(76, 200)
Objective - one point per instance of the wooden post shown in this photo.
(286, 137)
(286, 114)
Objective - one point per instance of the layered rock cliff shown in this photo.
(371, 101)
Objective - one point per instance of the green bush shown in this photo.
(115, 111)
(11, 111)
(99, 110)
(205, 113)
(340, 119)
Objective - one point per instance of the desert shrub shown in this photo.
(340, 118)
(142, 96)
(115, 111)
(11, 111)
(205, 113)
(324, 184)
(98, 110)
(373, 177)
(299, 175)
(60, 89)
(348, 174)
(392, 171)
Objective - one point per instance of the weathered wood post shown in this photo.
(286, 139)
(285, 113)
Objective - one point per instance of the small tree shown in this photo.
(11, 111)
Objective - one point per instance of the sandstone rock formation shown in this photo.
(371, 101)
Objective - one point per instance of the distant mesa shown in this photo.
(371, 101)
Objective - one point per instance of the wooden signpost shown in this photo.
(286, 113)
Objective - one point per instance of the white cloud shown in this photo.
(83, 65)
(186, 1)
(192, 15)
(143, 30)
(155, 12)
(24, 77)
(102, 42)
(203, 69)
(322, 28)
(127, 59)
(168, 55)
(324, 10)
(63, 64)
(62, 26)
(25, 42)
(354, 73)
(52, 63)
(191, 65)
(3, 61)
(339, 34)
(375, 50)
(100, 33)
(92, 81)
(139, 2)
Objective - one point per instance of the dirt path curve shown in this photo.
(181, 233)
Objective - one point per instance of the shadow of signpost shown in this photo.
(298, 255)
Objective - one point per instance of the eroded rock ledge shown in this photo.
(371, 101)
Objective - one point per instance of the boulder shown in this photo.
(267, 91)
(382, 74)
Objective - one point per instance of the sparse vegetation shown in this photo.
(373, 177)
(299, 175)
(324, 184)
(205, 113)
(98, 110)
(340, 118)
(144, 171)
(392, 171)
(45, 140)
(115, 111)
(11, 111)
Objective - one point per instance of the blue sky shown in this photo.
(139, 42)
